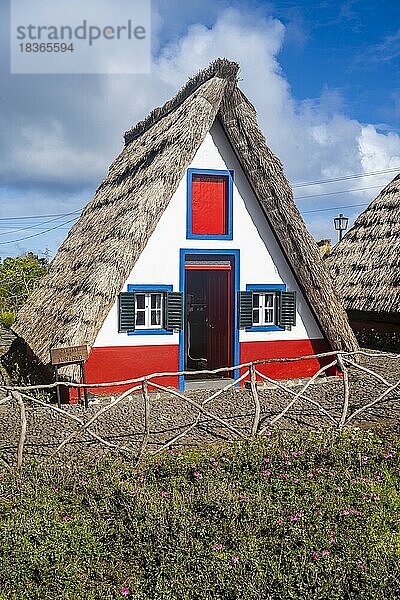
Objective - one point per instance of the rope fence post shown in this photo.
(256, 400)
(346, 390)
(22, 436)
(146, 398)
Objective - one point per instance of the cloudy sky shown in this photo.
(324, 77)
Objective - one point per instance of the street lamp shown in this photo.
(341, 224)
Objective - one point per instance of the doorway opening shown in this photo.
(209, 318)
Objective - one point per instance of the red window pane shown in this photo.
(209, 204)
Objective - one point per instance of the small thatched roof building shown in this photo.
(93, 264)
(365, 265)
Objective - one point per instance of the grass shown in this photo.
(286, 516)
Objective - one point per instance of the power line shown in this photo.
(306, 212)
(35, 225)
(372, 187)
(345, 177)
(40, 216)
(36, 234)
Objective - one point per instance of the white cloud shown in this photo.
(71, 128)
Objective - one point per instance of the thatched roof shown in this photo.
(72, 300)
(365, 265)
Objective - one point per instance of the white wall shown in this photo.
(261, 260)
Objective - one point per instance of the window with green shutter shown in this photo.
(150, 309)
(266, 307)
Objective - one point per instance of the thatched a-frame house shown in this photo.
(192, 253)
(365, 265)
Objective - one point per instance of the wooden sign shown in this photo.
(65, 356)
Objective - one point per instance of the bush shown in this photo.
(7, 318)
(287, 516)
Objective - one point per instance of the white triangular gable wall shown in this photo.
(261, 259)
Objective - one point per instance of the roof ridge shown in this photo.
(221, 67)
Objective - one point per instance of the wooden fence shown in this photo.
(249, 371)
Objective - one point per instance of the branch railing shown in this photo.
(249, 371)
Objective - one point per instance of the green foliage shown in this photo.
(290, 516)
(18, 277)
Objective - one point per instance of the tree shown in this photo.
(18, 277)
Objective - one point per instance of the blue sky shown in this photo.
(323, 76)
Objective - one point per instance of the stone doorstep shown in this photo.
(292, 383)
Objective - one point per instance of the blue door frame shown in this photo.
(236, 284)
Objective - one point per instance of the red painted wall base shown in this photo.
(250, 351)
(128, 362)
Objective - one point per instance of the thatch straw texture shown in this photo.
(91, 266)
(365, 265)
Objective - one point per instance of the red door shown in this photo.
(219, 325)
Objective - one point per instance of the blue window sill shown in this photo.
(195, 236)
(266, 328)
(150, 332)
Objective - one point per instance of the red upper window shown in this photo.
(209, 204)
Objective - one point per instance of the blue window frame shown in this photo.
(152, 289)
(229, 208)
(267, 287)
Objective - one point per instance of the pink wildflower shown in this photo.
(364, 460)
(266, 472)
(125, 591)
(266, 459)
(332, 540)
(66, 518)
(315, 555)
(84, 482)
(339, 488)
(163, 493)
(388, 455)
(234, 559)
(193, 465)
(330, 473)
(309, 474)
(319, 471)
(197, 475)
(279, 522)
(217, 547)
(325, 552)
(244, 497)
(345, 512)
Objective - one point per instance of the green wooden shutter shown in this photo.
(287, 312)
(174, 311)
(245, 303)
(126, 311)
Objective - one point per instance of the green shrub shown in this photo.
(287, 516)
(7, 318)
